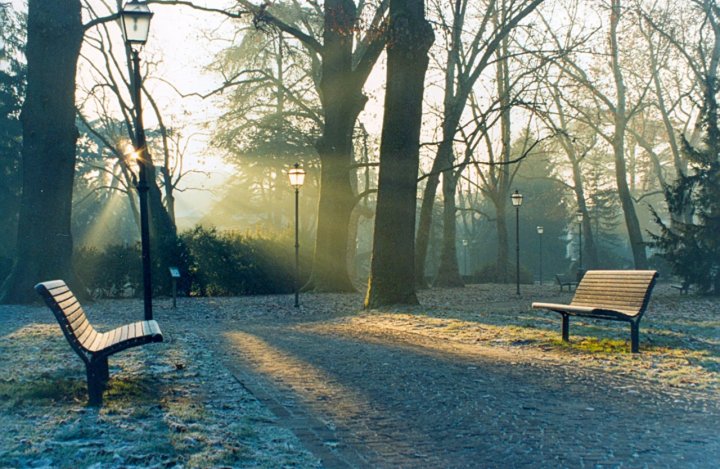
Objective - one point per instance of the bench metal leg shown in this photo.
(565, 327)
(95, 384)
(635, 337)
(103, 370)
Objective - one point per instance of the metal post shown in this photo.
(142, 186)
(517, 248)
(297, 248)
(540, 256)
(580, 268)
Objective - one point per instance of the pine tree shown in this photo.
(693, 249)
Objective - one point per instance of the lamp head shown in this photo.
(297, 176)
(540, 230)
(516, 198)
(135, 19)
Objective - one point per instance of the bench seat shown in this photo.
(616, 295)
(588, 311)
(93, 347)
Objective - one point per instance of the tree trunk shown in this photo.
(163, 234)
(502, 261)
(342, 100)
(449, 271)
(425, 223)
(589, 248)
(631, 220)
(44, 243)
(392, 276)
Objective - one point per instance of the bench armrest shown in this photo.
(563, 308)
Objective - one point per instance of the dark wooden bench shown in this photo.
(618, 295)
(563, 282)
(92, 346)
(684, 287)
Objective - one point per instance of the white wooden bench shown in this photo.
(617, 295)
(92, 346)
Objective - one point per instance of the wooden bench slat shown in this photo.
(112, 338)
(87, 333)
(69, 303)
(77, 321)
(63, 296)
(80, 327)
(123, 333)
(97, 343)
(88, 340)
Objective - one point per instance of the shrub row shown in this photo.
(211, 264)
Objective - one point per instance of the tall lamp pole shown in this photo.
(580, 217)
(517, 200)
(297, 178)
(540, 231)
(465, 256)
(135, 24)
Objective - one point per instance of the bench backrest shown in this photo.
(627, 291)
(68, 312)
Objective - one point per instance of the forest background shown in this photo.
(601, 113)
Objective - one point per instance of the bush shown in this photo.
(232, 264)
(115, 272)
(211, 264)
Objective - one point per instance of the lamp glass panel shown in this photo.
(135, 22)
(297, 177)
(517, 199)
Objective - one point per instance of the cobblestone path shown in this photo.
(374, 398)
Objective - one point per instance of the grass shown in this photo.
(155, 412)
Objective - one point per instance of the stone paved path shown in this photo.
(373, 398)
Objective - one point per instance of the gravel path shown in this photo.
(399, 399)
(470, 379)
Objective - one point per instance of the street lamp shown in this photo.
(579, 215)
(540, 231)
(135, 24)
(465, 255)
(517, 200)
(297, 178)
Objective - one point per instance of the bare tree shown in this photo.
(468, 55)
(392, 276)
(44, 243)
(345, 57)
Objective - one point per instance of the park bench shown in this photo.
(684, 287)
(92, 346)
(564, 282)
(617, 295)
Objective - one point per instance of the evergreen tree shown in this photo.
(12, 89)
(693, 248)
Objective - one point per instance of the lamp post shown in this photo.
(297, 178)
(579, 216)
(135, 24)
(540, 231)
(465, 255)
(517, 200)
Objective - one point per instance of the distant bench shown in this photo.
(92, 346)
(617, 295)
(564, 282)
(684, 287)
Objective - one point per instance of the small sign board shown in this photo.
(174, 272)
